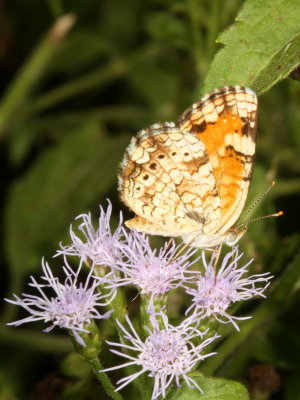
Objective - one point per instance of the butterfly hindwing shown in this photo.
(167, 180)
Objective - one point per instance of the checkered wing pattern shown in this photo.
(167, 180)
(226, 122)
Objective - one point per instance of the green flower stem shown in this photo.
(91, 354)
(118, 304)
(210, 324)
(120, 308)
(147, 387)
(158, 302)
(32, 71)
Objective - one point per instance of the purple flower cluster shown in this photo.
(72, 305)
(216, 289)
(169, 352)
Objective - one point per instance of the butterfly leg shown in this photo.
(182, 249)
(218, 252)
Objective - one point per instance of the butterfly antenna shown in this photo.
(255, 204)
(278, 214)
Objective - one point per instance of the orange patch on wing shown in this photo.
(213, 135)
(213, 138)
(232, 163)
(229, 172)
(231, 187)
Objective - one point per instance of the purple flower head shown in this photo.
(218, 289)
(96, 247)
(72, 305)
(153, 272)
(168, 354)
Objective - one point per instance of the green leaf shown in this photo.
(65, 181)
(213, 389)
(261, 48)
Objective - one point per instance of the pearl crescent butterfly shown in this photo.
(191, 178)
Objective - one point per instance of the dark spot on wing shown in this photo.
(246, 127)
(199, 128)
(153, 166)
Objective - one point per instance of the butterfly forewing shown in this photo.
(225, 121)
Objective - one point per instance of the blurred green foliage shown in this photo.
(78, 79)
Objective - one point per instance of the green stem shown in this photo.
(90, 352)
(159, 303)
(96, 366)
(31, 72)
(147, 387)
(119, 306)
(78, 86)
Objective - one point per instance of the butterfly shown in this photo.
(191, 178)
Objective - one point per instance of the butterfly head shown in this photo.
(234, 235)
